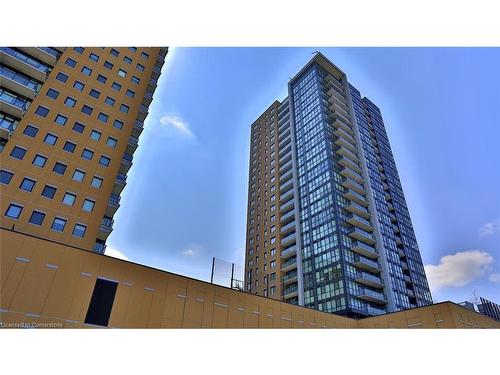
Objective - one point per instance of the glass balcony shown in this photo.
(121, 178)
(138, 124)
(284, 152)
(287, 206)
(133, 141)
(348, 154)
(359, 222)
(291, 238)
(291, 291)
(342, 125)
(289, 216)
(285, 142)
(353, 185)
(19, 78)
(361, 235)
(286, 229)
(289, 252)
(370, 280)
(375, 311)
(404, 266)
(286, 167)
(286, 186)
(356, 197)
(14, 100)
(285, 197)
(114, 199)
(410, 292)
(407, 279)
(107, 224)
(289, 264)
(341, 133)
(364, 249)
(358, 210)
(51, 51)
(398, 240)
(285, 159)
(349, 173)
(372, 296)
(350, 164)
(286, 133)
(367, 264)
(290, 278)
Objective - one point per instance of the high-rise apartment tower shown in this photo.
(328, 226)
(70, 119)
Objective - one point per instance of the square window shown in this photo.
(96, 182)
(127, 60)
(61, 120)
(130, 93)
(79, 230)
(69, 147)
(37, 217)
(118, 124)
(27, 184)
(5, 177)
(69, 199)
(140, 67)
(79, 49)
(135, 80)
(116, 86)
(30, 131)
(70, 102)
(108, 65)
(103, 117)
(95, 135)
(50, 139)
(94, 93)
(94, 57)
(39, 160)
(133, 49)
(101, 78)
(78, 127)
(109, 101)
(87, 109)
(122, 73)
(61, 77)
(70, 62)
(42, 111)
(78, 85)
(59, 168)
(86, 71)
(51, 93)
(58, 224)
(111, 142)
(88, 205)
(78, 175)
(104, 161)
(124, 108)
(144, 55)
(13, 211)
(18, 153)
(49, 191)
(114, 52)
(87, 154)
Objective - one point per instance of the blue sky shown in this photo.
(186, 195)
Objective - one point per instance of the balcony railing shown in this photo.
(50, 51)
(121, 177)
(12, 99)
(372, 296)
(114, 199)
(366, 278)
(288, 239)
(20, 78)
(26, 59)
(138, 124)
(364, 249)
(288, 252)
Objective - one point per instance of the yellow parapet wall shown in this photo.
(47, 284)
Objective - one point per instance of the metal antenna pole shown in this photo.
(232, 274)
(212, 275)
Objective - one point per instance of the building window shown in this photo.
(94, 57)
(51, 93)
(122, 73)
(78, 85)
(39, 160)
(101, 78)
(272, 290)
(104, 161)
(69, 199)
(111, 142)
(18, 153)
(109, 101)
(95, 135)
(108, 65)
(144, 55)
(116, 86)
(36, 217)
(96, 182)
(5, 177)
(14, 211)
(118, 124)
(103, 117)
(78, 175)
(61, 120)
(58, 224)
(61, 77)
(94, 93)
(70, 102)
(79, 230)
(124, 108)
(127, 60)
(59, 168)
(70, 62)
(133, 49)
(42, 111)
(135, 80)
(30, 131)
(69, 147)
(273, 252)
(140, 67)
(130, 93)
(272, 277)
(49, 191)
(78, 127)
(87, 154)
(86, 71)
(27, 184)
(114, 52)
(87, 109)
(273, 264)
(88, 205)
(79, 49)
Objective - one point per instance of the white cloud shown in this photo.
(458, 269)
(115, 253)
(490, 228)
(192, 250)
(178, 124)
(494, 278)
